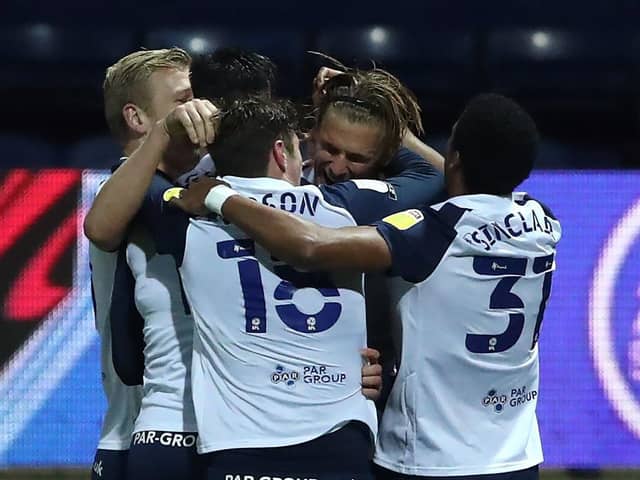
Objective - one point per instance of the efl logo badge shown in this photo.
(404, 220)
(614, 319)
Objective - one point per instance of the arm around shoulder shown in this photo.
(121, 196)
(307, 245)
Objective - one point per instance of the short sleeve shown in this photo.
(166, 223)
(418, 239)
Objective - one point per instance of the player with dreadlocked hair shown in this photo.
(364, 129)
(362, 117)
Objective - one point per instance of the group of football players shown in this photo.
(227, 269)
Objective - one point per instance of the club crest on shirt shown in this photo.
(404, 220)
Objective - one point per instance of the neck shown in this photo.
(131, 146)
(457, 187)
(223, 173)
(274, 171)
(173, 170)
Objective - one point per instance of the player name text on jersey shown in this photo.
(512, 226)
(292, 203)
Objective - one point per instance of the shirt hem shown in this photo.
(182, 428)
(457, 471)
(114, 445)
(204, 448)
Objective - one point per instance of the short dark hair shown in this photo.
(247, 130)
(497, 141)
(229, 73)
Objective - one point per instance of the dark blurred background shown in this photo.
(574, 64)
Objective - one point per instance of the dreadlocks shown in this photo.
(373, 96)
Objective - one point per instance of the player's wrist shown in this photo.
(216, 198)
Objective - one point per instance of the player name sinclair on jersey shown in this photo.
(464, 399)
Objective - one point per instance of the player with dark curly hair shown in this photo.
(474, 278)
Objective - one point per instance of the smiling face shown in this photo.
(344, 149)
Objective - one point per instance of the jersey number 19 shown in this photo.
(253, 292)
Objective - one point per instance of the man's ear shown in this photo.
(135, 118)
(455, 163)
(280, 155)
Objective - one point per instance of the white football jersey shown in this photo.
(204, 167)
(276, 357)
(476, 277)
(123, 402)
(168, 338)
(155, 294)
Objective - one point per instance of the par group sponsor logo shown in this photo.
(166, 439)
(322, 374)
(284, 376)
(516, 397)
(495, 400)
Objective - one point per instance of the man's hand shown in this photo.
(191, 199)
(195, 119)
(322, 77)
(371, 374)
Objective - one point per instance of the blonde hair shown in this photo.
(126, 82)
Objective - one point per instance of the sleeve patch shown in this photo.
(404, 220)
(375, 185)
(173, 192)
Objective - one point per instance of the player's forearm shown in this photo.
(416, 145)
(304, 244)
(121, 196)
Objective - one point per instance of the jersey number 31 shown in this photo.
(509, 270)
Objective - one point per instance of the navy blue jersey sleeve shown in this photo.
(416, 183)
(407, 163)
(419, 239)
(126, 323)
(166, 223)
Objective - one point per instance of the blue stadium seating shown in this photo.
(93, 152)
(21, 151)
(554, 155)
(576, 69)
(283, 44)
(46, 43)
(285, 47)
(437, 65)
(425, 59)
(570, 62)
(557, 155)
(47, 55)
